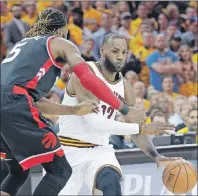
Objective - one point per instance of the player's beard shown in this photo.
(113, 67)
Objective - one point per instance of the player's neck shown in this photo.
(109, 75)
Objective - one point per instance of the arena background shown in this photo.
(173, 99)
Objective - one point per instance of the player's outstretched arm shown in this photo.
(48, 107)
(96, 120)
(144, 142)
(69, 52)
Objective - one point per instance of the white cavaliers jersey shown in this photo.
(76, 127)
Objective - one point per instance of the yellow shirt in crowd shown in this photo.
(7, 18)
(136, 43)
(29, 20)
(91, 17)
(135, 25)
(41, 5)
(76, 34)
(195, 58)
(189, 89)
(146, 104)
(142, 53)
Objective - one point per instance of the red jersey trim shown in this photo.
(43, 70)
(34, 110)
(40, 158)
(59, 65)
(2, 155)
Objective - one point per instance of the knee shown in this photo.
(16, 171)
(62, 175)
(108, 178)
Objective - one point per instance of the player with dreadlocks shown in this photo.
(27, 74)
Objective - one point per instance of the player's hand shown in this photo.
(135, 116)
(86, 107)
(156, 128)
(162, 160)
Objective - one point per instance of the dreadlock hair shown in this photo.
(48, 22)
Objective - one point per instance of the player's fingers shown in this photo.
(97, 106)
(158, 165)
(95, 110)
(168, 126)
(165, 132)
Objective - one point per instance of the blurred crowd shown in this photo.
(162, 61)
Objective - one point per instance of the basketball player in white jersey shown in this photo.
(85, 140)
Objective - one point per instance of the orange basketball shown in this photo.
(179, 177)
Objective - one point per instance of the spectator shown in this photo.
(142, 53)
(162, 24)
(142, 13)
(75, 28)
(106, 24)
(159, 117)
(132, 77)
(193, 100)
(190, 125)
(61, 82)
(91, 16)
(154, 9)
(125, 25)
(6, 17)
(165, 104)
(191, 12)
(31, 12)
(139, 103)
(191, 35)
(77, 15)
(186, 107)
(189, 87)
(15, 30)
(87, 49)
(100, 6)
(167, 86)
(192, 119)
(152, 97)
(162, 61)
(148, 46)
(123, 6)
(62, 8)
(132, 63)
(140, 91)
(137, 41)
(44, 4)
(154, 110)
(116, 24)
(176, 118)
(172, 13)
(186, 63)
(175, 43)
(172, 31)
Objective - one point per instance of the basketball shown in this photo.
(179, 177)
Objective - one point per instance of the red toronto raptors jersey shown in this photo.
(30, 65)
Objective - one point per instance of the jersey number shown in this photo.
(108, 110)
(15, 51)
